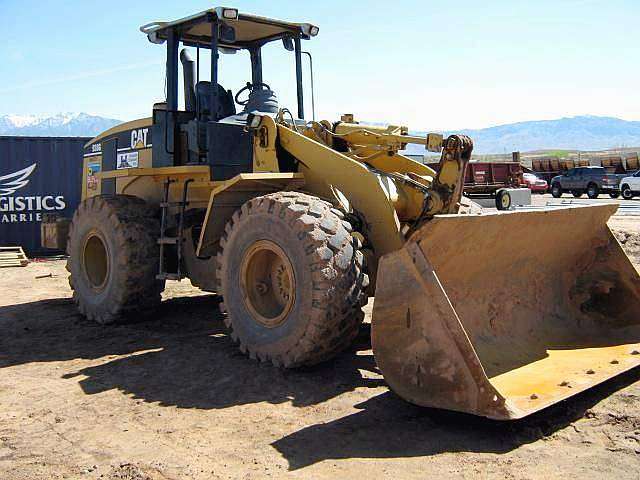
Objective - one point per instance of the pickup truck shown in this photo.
(592, 180)
(630, 186)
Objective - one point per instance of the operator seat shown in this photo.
(226, 105)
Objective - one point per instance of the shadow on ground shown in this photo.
(388, 427)
(185, 359)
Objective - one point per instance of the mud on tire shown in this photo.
(113, 258)
(328, 273)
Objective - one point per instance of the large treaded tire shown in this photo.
(128, 228)
(330, 280)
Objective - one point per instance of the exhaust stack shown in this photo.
(188, 69)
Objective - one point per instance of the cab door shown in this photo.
(580, 179)
(570, 181)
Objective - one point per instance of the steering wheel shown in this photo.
(250, 87)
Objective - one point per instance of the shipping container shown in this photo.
(38, 176)
(613, 164)
(633, 164)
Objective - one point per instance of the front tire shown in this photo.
(292, 279)
(556, 190)
(627, 194)
(113, 258)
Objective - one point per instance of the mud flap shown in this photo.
(504, 314)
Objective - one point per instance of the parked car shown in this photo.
(534, 183)
(590, 180)
(630, 186)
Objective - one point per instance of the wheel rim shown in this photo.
(95, 261)
(626, 193)
(267, 281)
(505, 201)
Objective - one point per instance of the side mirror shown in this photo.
(287, 42)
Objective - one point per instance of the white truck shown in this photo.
(630, 186)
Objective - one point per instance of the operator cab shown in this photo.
(211, 128)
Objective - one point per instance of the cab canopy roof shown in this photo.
(237, 30)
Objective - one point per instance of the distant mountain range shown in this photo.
(575, 133)
(60, 125)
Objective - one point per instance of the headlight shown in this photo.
(309, 30)
(227, 13)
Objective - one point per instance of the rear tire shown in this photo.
(627, 194)
(292, 279)
(556, 190)
(593, 191)
(113, 258)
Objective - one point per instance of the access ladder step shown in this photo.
(173, 204)
(168, 241)
(169, 276)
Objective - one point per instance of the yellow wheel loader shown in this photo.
(296, 223)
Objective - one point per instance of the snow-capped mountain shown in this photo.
(60, 125)
(574, 133)
(579, 133)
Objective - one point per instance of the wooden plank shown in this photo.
(12, 250)
(13, 257)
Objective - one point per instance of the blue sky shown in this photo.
(428, 64)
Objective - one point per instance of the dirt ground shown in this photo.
(174, 399)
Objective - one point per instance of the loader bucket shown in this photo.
(504, 314)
